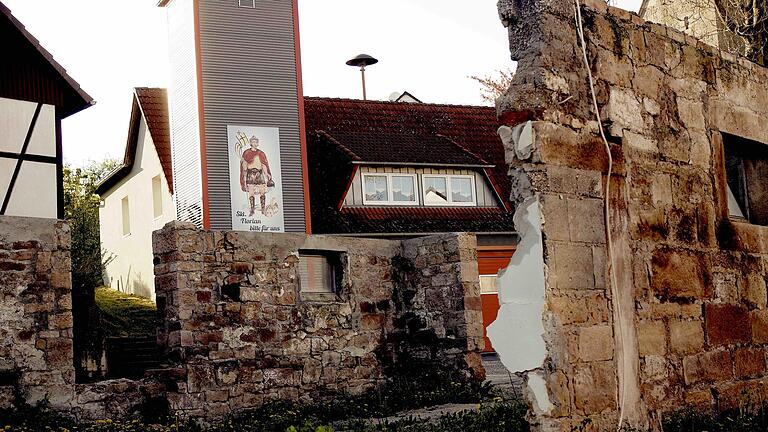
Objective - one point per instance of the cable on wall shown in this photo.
(609, 240)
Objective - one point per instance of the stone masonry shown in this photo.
(438, 311)
(239, 331)
(35, 313)
(681, 319)
(36, 350)
(236, 328)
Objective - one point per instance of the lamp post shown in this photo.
(362, 61)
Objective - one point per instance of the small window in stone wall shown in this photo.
(746, 171)
(320, 273)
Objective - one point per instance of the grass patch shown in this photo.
(494, 416)
(414, 387)
(692, 420)
(126, 315)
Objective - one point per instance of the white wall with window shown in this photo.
(407, 186)
(131, 210)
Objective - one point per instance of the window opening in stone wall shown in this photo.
(320, 272)
(746, 168)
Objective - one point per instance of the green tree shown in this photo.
(81, 210)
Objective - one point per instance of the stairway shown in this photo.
(130, 357)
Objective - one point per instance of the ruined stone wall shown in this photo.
(36, 347)
(35, 313)
(438, 310)
(682, 318)
(238, 330)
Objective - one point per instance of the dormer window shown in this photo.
(449, 190)
(389, 189)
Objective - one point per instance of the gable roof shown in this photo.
(34, 74)
(152, 104)
(343, 134)
(407, 97)
(375, 146)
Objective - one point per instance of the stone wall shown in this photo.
(439, 314)
(681, 319)
(36, 361)
(238, 330)
(36, 342)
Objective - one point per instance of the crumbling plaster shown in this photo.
(683, 321)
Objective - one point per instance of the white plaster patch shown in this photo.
(517, 334)
(519, 138)
(537, 391)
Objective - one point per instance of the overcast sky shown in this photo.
(428, 47)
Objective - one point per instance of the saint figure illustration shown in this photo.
(255, 175)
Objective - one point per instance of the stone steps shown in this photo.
(131, 357)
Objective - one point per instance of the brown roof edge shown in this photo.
(158, 136)
(87, 99)
(163, 3)
(129, 158)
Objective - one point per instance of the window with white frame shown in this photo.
(389, 189)
(247, 3)
(449, 190)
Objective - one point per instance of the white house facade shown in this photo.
(137, 198)
(36, 93)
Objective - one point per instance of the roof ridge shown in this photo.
(409, 104)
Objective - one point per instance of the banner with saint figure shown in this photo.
(255, 181)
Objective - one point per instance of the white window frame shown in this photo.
(390, 201)
(450, 202)
(250, 4)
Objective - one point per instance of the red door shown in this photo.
(489, 261)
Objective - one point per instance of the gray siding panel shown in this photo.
(249, 78)
(183, 107)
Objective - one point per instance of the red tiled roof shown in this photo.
(343, 131)
(403, 146)
(471, 128)
(425, 219)
(152, 104)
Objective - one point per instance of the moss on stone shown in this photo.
(126, 315)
